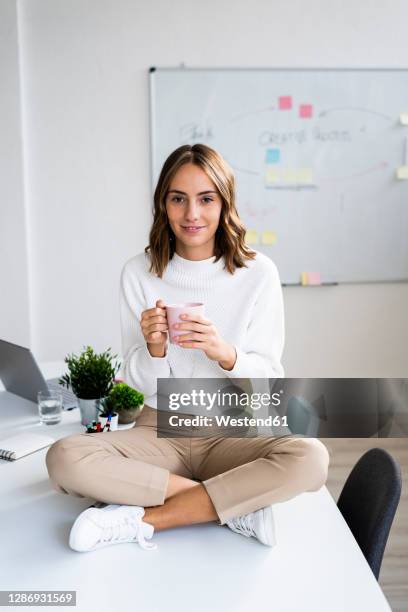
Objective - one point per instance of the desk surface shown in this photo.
(316, 566)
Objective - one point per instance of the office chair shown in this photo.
(368, 503)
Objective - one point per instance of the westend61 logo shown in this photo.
(208, 401)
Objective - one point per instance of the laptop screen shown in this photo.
(19, 371)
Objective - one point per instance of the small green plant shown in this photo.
(121, 397)
(107, 407)
(90, 375)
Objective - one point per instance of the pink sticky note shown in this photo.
(285, 102)
(305, 111)
(314, 278)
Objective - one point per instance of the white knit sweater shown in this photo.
(246, 308)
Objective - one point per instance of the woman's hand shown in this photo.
(154, 328)
(205, 336)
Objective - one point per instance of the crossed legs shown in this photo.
(187, 502)
(238, 476)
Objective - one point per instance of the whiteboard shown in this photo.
(315, 153)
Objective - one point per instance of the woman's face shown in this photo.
(193, 207)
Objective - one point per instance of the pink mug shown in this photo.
(173, 316)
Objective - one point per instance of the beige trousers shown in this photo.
(132, 467)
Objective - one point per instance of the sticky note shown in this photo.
(272, 156)
(305, 111)
(303, 278)
(310, 278)
(289, 175)
(285, 102)
(404, 118)
(305, 175)
(314, 278)
(268, 237)
(402, 173)
(251, 237)
(272, 175)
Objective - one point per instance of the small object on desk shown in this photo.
(18, 446)
(50, 406)
(97, 429)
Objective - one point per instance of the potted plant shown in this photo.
(125, 401)
(107, 413)
(91, 378)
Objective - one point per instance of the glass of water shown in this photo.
(50, 407)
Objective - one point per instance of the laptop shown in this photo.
(20, 374)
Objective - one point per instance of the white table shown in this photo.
(316, 566)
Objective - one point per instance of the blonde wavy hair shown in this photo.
(230, 234)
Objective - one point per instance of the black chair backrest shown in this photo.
(369, 500)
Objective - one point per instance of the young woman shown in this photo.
(196, 253)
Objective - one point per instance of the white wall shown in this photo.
(85, 101)
(14, 295)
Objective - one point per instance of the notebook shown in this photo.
(23, 444)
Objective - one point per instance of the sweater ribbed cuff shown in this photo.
(241, 366)
(160, 365)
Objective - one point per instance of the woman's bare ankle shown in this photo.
(177, 484)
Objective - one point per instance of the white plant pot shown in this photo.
(89, 409)
(113, 421)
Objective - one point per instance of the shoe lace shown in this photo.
(126, 528)
(243, 525)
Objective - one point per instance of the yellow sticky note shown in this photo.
(289, 175)
(251, 237)
(272, 175)
(402, 173)
(304, 278)
(404, 118)
(305, 175)
(268, 237)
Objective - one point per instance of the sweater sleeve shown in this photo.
(261, 352)
(140, 370)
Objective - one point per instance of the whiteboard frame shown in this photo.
(183, 67)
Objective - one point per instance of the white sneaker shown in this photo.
(112, 524)
(259, 524)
